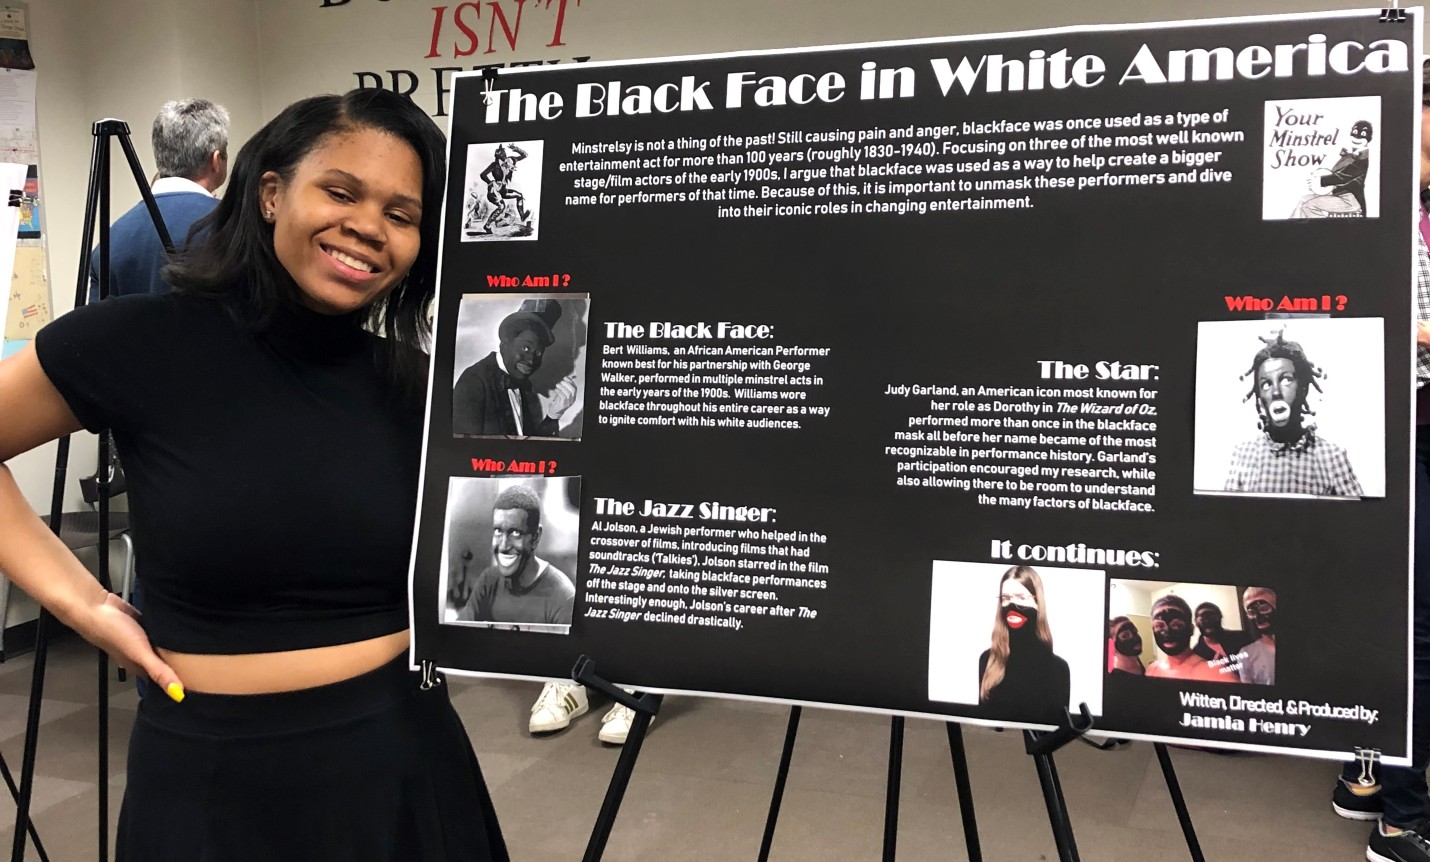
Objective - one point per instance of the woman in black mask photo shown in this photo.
(1020, 679)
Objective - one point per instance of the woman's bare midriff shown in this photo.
(268, 672)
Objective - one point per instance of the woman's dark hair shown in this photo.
(1308, 374)
(232, 257)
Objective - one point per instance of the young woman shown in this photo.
(1020, 679)
(271, 445)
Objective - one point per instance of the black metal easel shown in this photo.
(645, 706)
(780, 777)
(1179, 802)
(965, 790)
(1039, 745)
(15, 795)
(96, 212)
(891, 794)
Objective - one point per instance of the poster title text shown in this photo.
(987, 73)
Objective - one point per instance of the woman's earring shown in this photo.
(268, 215)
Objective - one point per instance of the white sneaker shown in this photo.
(616, 724)
(558, 703)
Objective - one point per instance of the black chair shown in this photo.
(80, 529)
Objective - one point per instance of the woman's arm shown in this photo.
(32, 412)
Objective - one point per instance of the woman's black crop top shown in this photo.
(272, 481)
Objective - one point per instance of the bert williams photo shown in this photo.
(531, 384)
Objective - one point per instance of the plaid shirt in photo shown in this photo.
(1263, 466)
(1422, 306)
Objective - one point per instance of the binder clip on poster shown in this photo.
(430, 677)
(1393, 14)
(1367, 758)
(489, 77)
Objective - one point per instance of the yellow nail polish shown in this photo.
(176, 692)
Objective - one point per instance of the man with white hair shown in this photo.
(190, 138)
(1398, 796)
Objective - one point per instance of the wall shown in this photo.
(64, 144)
(100, 58)
(103, 59)
(97, 59)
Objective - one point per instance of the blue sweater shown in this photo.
(135, 254)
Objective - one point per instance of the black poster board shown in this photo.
(837, 345)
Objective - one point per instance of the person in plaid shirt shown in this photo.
(1397, 796)
(1288, 457)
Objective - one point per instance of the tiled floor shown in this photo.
(702, 787)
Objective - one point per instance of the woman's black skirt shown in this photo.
(370, 769)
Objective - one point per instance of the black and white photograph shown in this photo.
(1190, 631)
(1019, 642)
(1291, 407)
(519, 366)
(509, 553)
(1321, 158)
(502, 197)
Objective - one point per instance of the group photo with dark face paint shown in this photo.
(523, 366)
(510, 553)
(1020, 643)
(1290, 407)
(1196, 632)
(1320, 158)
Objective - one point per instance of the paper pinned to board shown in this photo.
(14, 39)
(29, 305)
(12, 23)
(17, 100)
(12, 185)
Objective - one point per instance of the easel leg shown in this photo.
(601, 833)
(1063, 808)
(4, 612)
(790, 732)
(105, 441)
(96, 209)
(98, 183)
(103, 755)
(32, 737)
(15, 795)
(1179, 802)
(965, 791)
(1057, 805)
(42, 651)
(104, 132)
(891, 799)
